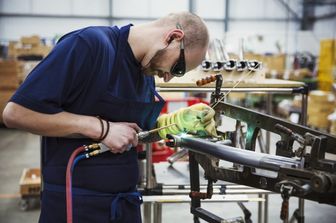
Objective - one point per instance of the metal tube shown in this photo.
(216, 191)
(157, 212)
(260, 210)
(301, 210)
(232, 154)
(250, 90)
(149, 162)
(147, 209)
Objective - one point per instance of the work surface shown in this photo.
(229, 80)
(267, 83)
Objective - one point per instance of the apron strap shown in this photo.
(155, 92)
(133, 198)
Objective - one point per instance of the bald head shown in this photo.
(196, 33)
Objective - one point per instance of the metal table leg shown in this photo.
(147, 209)
(157, 212)
(149, 166)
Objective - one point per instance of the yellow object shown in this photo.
(197, 119)
(327, 64)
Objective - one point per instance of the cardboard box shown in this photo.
(274, 63)
(12, 47)
(35, 50)
(320, 105)
(34, 40)
(30, 182)
(9, 72)
(299, 74)
(9, 81)
(5, 95)
(317, 122)
(321, 96)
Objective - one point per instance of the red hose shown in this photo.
(69, 184)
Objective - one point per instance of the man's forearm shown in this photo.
(62, 124)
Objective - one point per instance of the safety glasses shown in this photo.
(179, 68)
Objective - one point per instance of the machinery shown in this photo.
(301, 166)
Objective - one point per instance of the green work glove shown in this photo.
(197, 119)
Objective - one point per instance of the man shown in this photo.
(98, 83)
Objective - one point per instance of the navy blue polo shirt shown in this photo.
(78, 71)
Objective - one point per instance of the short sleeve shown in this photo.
(54, 81)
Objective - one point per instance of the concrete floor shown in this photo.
(20, 150)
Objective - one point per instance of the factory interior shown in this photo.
(247, 132)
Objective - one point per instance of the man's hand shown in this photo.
(197, 119)
(121, 136)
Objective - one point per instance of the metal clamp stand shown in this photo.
(286, 192)
(217, 95)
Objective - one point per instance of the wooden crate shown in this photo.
(30, 188)
(30, 182)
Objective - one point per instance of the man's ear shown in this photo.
(170, 39)
(174, 34)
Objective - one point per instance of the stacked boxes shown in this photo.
(14, 72)
(9, 72)
(5, 95)
(28, 46)
(321, 104)
(9, 82)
